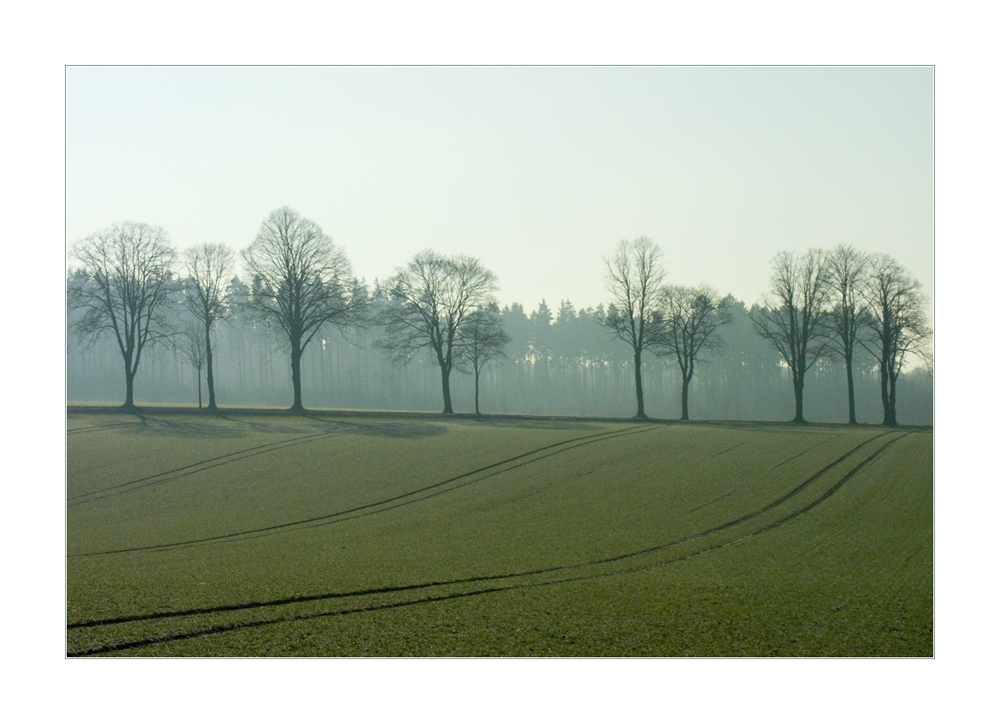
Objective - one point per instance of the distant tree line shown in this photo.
(829, 318)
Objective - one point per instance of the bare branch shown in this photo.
(692, 317)
(430, 301)
(897, 323)
(125, 289)
(634, 279)
(792, 313)
(300, 282)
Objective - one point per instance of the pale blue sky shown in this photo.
(536, 171)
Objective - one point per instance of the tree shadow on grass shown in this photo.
(223, 426)
(529, 423)
(390, 429)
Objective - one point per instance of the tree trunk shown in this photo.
(852, 418)
(798, 382)
(129, 382)
(446, 388)
(891, 412)
(297, 375)
(208, 373)
(199, 388)
(888, 414)
(477, 391)
(641, 412)
(685, 380)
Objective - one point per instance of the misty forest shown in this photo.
(838, 335)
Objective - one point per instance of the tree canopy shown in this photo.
(127, 281)
(431, 300)
(791, 317)
(299, 282)
(634, 279)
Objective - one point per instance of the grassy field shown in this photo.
(326, 535)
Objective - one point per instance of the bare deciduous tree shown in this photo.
(481, 339)
(208, 267)
(192, 345)
(847, 269)
(692, 317)
(791, 315)
(897, 323)
(128, 271)
(634, 280)
(431, 300)
(300, 282)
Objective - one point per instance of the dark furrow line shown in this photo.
(453, 488)
(221, 457)
(833, 489)
(278, 444)
(277, 602)
(705, 505)
(324, 519)
(730, 448)
(169, 475)
(799, 488)
(382, 506)
(226, 628)
(830, 492)
(788, 460)
(781, 521)
(201, 467)
(92, 428)
(757, 513)
(479, 579)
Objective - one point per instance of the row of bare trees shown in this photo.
(830, 303)
(666, 319)
(820, 304)
(445, 305)
(300, 283)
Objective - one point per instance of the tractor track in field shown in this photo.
(95, 428)
(798, 455)
(732, 447)
(171, 475)
(236, 455)
(414, 496)
(507, 582)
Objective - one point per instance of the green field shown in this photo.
(382, 535)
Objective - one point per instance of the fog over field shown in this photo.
(569, 366)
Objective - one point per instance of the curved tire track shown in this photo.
(576, 572)
(170, 475)
(95, 428)
(413, 496)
